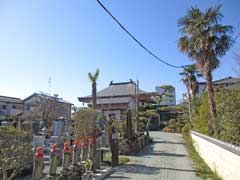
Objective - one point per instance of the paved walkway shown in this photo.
(166, 159)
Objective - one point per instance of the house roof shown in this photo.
(47, 96)
(227, 80)
(8, 99)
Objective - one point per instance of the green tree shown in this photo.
(205, 40)
(84, 120)
(15, 153)
(93, 78)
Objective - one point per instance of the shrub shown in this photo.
(85, 122)
(202, 116)
(228, 104)
(186, 129)
(15, 153)
(228, 115)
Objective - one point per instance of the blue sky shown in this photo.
(67, 39)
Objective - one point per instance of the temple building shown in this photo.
(118, 97)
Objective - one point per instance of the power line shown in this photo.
(137, 41)
(236, 37)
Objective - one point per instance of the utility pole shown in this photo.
(137, 106)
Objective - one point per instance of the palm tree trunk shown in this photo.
(94, 106)
(94, 95)
(212, 124)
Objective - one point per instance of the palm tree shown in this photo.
(190, 74)
(93, 78)
(189, 79)
(205, 40)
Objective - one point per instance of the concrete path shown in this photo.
(166, 159)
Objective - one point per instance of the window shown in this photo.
(14, 106)
(4, 107)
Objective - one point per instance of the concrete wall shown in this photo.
(221, 157)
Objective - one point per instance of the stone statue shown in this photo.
(66, 156)
(38, 164)
(76, 153)
(84, 149)
(91, 141)
(54, 159)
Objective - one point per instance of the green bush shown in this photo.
(228, 115)
(186, 129)
(228, 104)
(15, 153)
(202, 115)
(85, 121)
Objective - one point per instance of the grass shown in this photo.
(202, 169)
(107, 159)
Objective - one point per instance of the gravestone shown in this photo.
(58, 128)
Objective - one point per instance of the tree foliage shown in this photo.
(229, 116)
(93, 78)
(15, 153)
(84, 120)
(189, 78)
(228, 103)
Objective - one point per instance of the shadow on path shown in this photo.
(146, 170)
(119, 177)
(138, 169)
(168, 142)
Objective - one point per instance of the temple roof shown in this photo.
(118, 89)
(115, 93)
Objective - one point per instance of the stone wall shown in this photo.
(221, 157)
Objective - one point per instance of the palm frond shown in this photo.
(94, 77)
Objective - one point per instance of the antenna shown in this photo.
(49, 85)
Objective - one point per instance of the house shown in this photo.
(10, 107)
(226, 83)
(168, 95)
(117, 98)
(42, 106)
